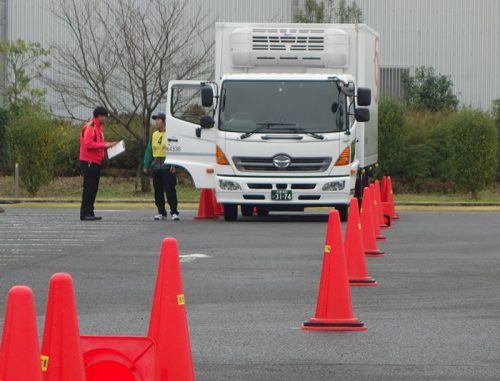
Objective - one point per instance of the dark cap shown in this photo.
(159, 115)
(100, 111)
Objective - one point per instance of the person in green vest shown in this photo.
(164, 178)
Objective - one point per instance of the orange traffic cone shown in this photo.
(376, 214)
(168, 326)
(20, 351)
(62, 358)
(354, 249)
(369, 241)
(206, 206)
(218, 209)
(384, 188)
(389, 200)
(334, 306)
(384, 222)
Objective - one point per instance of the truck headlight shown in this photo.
(334, 186)
(229, 185)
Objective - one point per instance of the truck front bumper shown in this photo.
(313, 191)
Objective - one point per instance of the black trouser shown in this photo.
(164, 182)
(91, 173)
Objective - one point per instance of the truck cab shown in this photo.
(285, 125)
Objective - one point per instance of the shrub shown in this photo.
(67, 161)
(496, 115)
(391, 121)
(472, 148)
(429, 91)
(32, 142)
(429, 131)
(3, 146)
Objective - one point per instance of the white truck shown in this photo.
(289, 122)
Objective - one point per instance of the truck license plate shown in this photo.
(281, 195)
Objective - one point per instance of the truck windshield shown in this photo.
(308, 106)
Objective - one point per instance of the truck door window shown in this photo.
(186, 104)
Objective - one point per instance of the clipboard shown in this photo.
(116, 149)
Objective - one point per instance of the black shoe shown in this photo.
(90, 218)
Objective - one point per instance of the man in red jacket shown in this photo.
(92, 151)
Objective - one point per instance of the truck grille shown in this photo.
(297, 164)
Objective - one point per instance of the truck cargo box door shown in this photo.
(187, 145)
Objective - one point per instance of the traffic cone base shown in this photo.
(368, 282)
(334, 325)
(377, 253)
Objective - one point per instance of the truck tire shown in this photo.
(343, 212)
(230, 212)
(247, 210)
(262, 211)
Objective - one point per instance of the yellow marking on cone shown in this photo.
(181, 300)
(328, 249)
(45, 362)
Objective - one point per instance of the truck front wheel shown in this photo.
(247, 210)
(343, 212)
(262, 211)
(230, 212)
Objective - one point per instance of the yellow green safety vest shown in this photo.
(159, 144)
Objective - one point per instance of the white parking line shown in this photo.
(192, 257)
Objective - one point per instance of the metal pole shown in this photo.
(16, 179)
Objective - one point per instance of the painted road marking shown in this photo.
(192, 257)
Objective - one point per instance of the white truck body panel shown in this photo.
(281, 53)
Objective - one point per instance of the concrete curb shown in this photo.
(143, 201)
(72, 201)
(446, 203)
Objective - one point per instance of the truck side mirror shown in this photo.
(362, 114)
(206, 121)
(207, 96)
(364, 96)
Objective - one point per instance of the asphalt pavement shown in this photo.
(250, 284)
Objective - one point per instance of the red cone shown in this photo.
(389, 200)
(354, 249)
(334, 306)
(369, 241)
(62, 358)
(206, 209)
(384, 188)
(168, 326)
(384, 222)
(218, 209)
(376, 214)
(20, 351)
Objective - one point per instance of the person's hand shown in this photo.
(111, 144)
(172, 169)
(145, 171)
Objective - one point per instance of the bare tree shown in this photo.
(124, 53)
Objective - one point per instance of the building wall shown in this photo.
(459, 38)
(33, 20)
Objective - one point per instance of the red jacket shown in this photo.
(92, 143)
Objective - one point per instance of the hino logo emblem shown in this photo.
(282, 161)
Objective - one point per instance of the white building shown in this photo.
(459, 38)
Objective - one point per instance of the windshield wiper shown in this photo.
(309, 133)
(262, 127)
